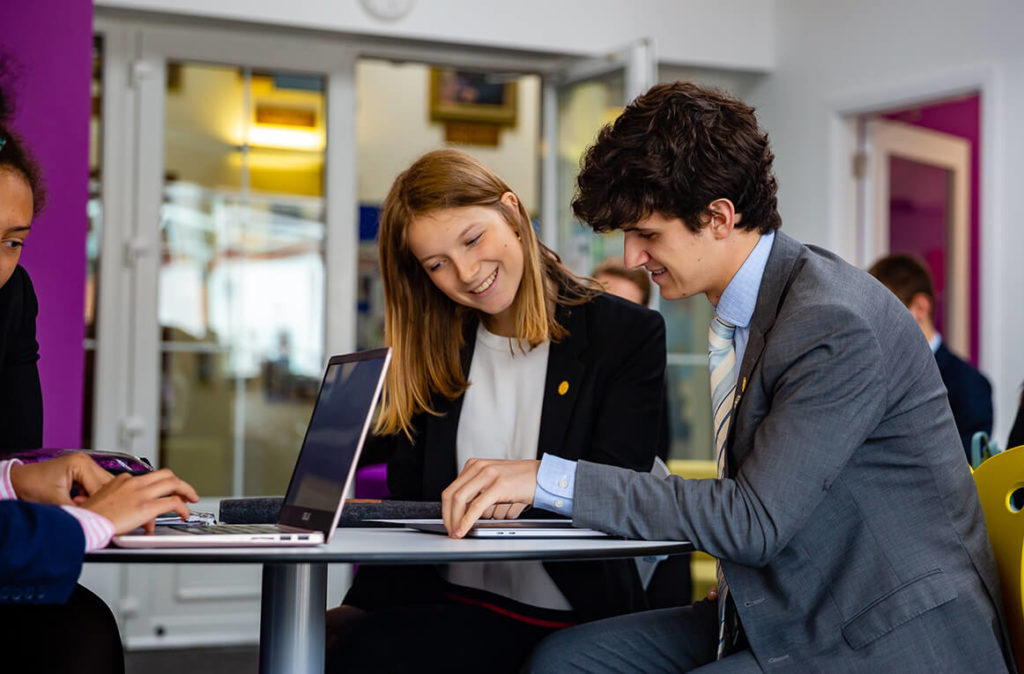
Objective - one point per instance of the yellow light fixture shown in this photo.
(286, 138)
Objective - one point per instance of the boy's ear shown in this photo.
(921, 307)
(722, 218)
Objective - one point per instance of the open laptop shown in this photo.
(508, 528)
(323, 472)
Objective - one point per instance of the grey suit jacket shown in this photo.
(849, 526)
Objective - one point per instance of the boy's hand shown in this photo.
(484, 484)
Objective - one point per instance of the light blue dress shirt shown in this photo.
(556, 477)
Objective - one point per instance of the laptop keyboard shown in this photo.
(226, 529)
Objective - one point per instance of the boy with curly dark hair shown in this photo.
(844, 518)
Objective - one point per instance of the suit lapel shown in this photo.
(563, 380)
(778, 274)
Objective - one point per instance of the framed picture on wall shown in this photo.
(470, 96)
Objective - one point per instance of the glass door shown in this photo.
(579, 99)
(229, 226)
(240, 298)
(230, 251)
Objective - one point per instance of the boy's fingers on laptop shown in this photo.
(454, 497)
(483, 484)
(503, 511)
(457, 498)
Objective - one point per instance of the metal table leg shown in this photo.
(292, 618)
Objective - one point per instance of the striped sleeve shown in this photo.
(98, 529)
(6, 488)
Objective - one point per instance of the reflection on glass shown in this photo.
(241, 290)
(686, 325)
(686, 335)
(689, 400)
(92, 246)
(584, 108)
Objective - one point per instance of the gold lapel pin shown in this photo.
(563, 388)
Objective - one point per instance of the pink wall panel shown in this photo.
(51, 42)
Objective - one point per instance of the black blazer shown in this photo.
(1017, 432)
(970, 395)
(21, 401)
(613, 412)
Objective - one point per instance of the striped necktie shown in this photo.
(722, 361)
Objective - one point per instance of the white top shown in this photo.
(500, 419)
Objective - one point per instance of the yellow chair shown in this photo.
(1000, 482)
(702, 565)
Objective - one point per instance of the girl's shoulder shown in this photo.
(607, 306)
(609, 323)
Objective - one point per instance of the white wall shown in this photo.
(735, 82)
(835, 56)
(722, 33)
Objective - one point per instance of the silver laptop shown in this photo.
(323, 472)
(508, 528)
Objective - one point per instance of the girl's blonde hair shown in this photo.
(426, 329)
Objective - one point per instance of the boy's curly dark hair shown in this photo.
(14, 155)
(673, 151)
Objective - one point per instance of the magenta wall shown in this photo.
(51, 41)
(959, 117)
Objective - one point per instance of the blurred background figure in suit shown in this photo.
(970, 394)
(1017, 432)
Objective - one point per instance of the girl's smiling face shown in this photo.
(473, 256)
(15, 220)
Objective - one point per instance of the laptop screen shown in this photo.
(334, 438)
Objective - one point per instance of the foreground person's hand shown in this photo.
(51, 481)
(130, 502)
(483, 484)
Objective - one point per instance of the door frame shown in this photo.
(844, 195)
(131, 286)
(886, 138)
(639, 66)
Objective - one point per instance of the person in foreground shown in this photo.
(845, 519)
(970, 394)
(498, 351)
(47, 622)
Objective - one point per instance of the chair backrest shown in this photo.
(982, 448)
(1000, 482)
